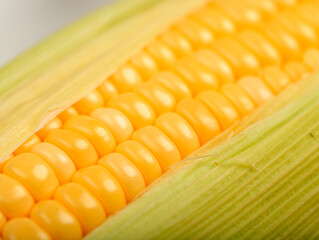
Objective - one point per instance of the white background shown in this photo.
(25, 22)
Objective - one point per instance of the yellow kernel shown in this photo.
(56, 220)
(107, 90)
(303, 32)
(275, 78)
(242, 14)
(85, 207)
(197, 76)
(173, 83)
(259, 92)
(160, 145)
(266, 52)
(160, 98)
(296, 70)
(58, 160)
(142, 158)
(198, 33)
(145, 64)
(125, 78)
(221, 107)
(311, 58)
(35, 174)
(22, 229)
(216, 20)
(286, 44)
(75, 145)
(94, 131)
(68, 113)
(126, 173)
(217, 64)
(239, 98)
(119, 125)
(163, 55)
(55, 123)
(27, 145)
(241, 58)
(5, 161)
(180, 44)
(90, 102)
(103, 185)
(179, 131)
(200, 118)
(138, 110)
(15, 200)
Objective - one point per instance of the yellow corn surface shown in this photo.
(192, 82)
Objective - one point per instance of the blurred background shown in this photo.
(25, 22)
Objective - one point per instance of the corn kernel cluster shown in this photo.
(188, 85)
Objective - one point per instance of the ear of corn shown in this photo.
(173, 86)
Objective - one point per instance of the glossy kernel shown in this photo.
(103, 185)
(199, 34)
(142, 158)
(259, 92)
(145, 64)
(221, 107)
(159, 97)
(163, 149)
(93, 130)
(119, 125)
(173, 83)
(35, 174)
(15, 200)
(86, 208)
(311, 58)
(179, 43)
(55, 123)
(90, 102)
(138, 110)
(75, 145)
(27, 145)
(163, 55)
(197, 76)
(216, 20)
(266, 52)
(56, 220)
(200, 118)
(241, 58)
(179, 131)
(68, 113)
(239, 98)
(241, 14)
(275, 78)
(296, 70)
(126, 78)
(285, 43)
(107, 90)
(24, 229)
(58, 160)
(217, 64)
(126, 173)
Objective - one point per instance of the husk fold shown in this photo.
(63, 68)
(261, 184)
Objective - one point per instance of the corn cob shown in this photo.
(197, 79)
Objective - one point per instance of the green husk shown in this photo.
(261, 184)
(63, 68)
